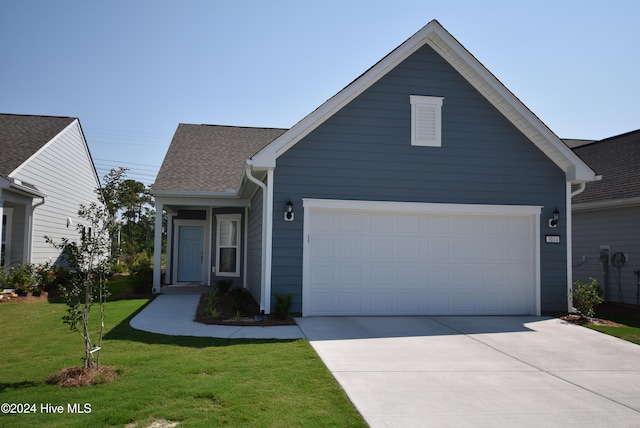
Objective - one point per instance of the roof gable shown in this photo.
(21, 136)
(617, 159)
(434, 35)
(210, 159)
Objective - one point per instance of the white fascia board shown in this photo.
(200, 201)
(420, 207)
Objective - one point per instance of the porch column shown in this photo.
(157, 248)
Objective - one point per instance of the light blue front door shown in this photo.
(190, 254)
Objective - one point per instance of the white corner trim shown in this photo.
(269, 243)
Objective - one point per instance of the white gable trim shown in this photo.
(453, 52)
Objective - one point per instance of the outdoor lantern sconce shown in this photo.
(553, 222)
(288, 211)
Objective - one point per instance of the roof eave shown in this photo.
(229, 194)
(612, 203)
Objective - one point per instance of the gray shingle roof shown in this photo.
(210, 158)
(617, 159)
(23, 135)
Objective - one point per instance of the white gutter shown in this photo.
(579, 189)
(267, 204)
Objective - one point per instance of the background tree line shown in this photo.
(131, 204)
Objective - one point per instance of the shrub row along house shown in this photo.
(423, 187)
(46, 172)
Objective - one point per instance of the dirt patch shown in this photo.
(250, 315)
(83, 376)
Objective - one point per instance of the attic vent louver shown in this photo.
(426, 118)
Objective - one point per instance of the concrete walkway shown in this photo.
(172, 313)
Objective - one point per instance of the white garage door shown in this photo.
(380, 258)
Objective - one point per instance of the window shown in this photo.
(228, 245)
(426, 118)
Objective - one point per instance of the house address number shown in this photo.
(552, 239)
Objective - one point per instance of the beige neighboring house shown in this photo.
(46, 173)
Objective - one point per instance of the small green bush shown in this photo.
(142, 277)
(224, 285)
(283, 305)
(21, 278)
(585, 297)
(211, 305)
(240, 299)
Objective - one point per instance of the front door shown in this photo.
(190, 253)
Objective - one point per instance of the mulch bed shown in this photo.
(83, 376)
(249, 316)
(577, 319)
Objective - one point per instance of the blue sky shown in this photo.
(132, 70)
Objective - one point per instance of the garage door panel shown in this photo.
(382, 303)
(349, 303)
(368, 262)
(351, 275)
(351, 248)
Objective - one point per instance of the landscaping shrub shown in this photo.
(586, 297)
(210, 307)
(240, 299)
(283, 305)
(50, 277)
(142, 277)
(224, 285)
(21, 279)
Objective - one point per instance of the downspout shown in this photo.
(263, 267)
(30, 230)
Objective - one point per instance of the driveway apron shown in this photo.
(479, 371)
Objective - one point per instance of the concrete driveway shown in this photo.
(479, 371)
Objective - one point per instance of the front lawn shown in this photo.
(624, 322)
(193, 381)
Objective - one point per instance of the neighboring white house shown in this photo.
(46, 173)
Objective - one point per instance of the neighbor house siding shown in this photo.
(364, 152)
(64, 172)
(618, 228)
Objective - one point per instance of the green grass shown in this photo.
(195, 381)
(628, 318)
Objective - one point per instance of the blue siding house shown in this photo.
(423, 187)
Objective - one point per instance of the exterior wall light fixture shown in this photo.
(553, 222)
(288, 211)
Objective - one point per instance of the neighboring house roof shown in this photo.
(572, 143)
(21, 136)
(210, 158)
(434, 35)
(617, 159)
